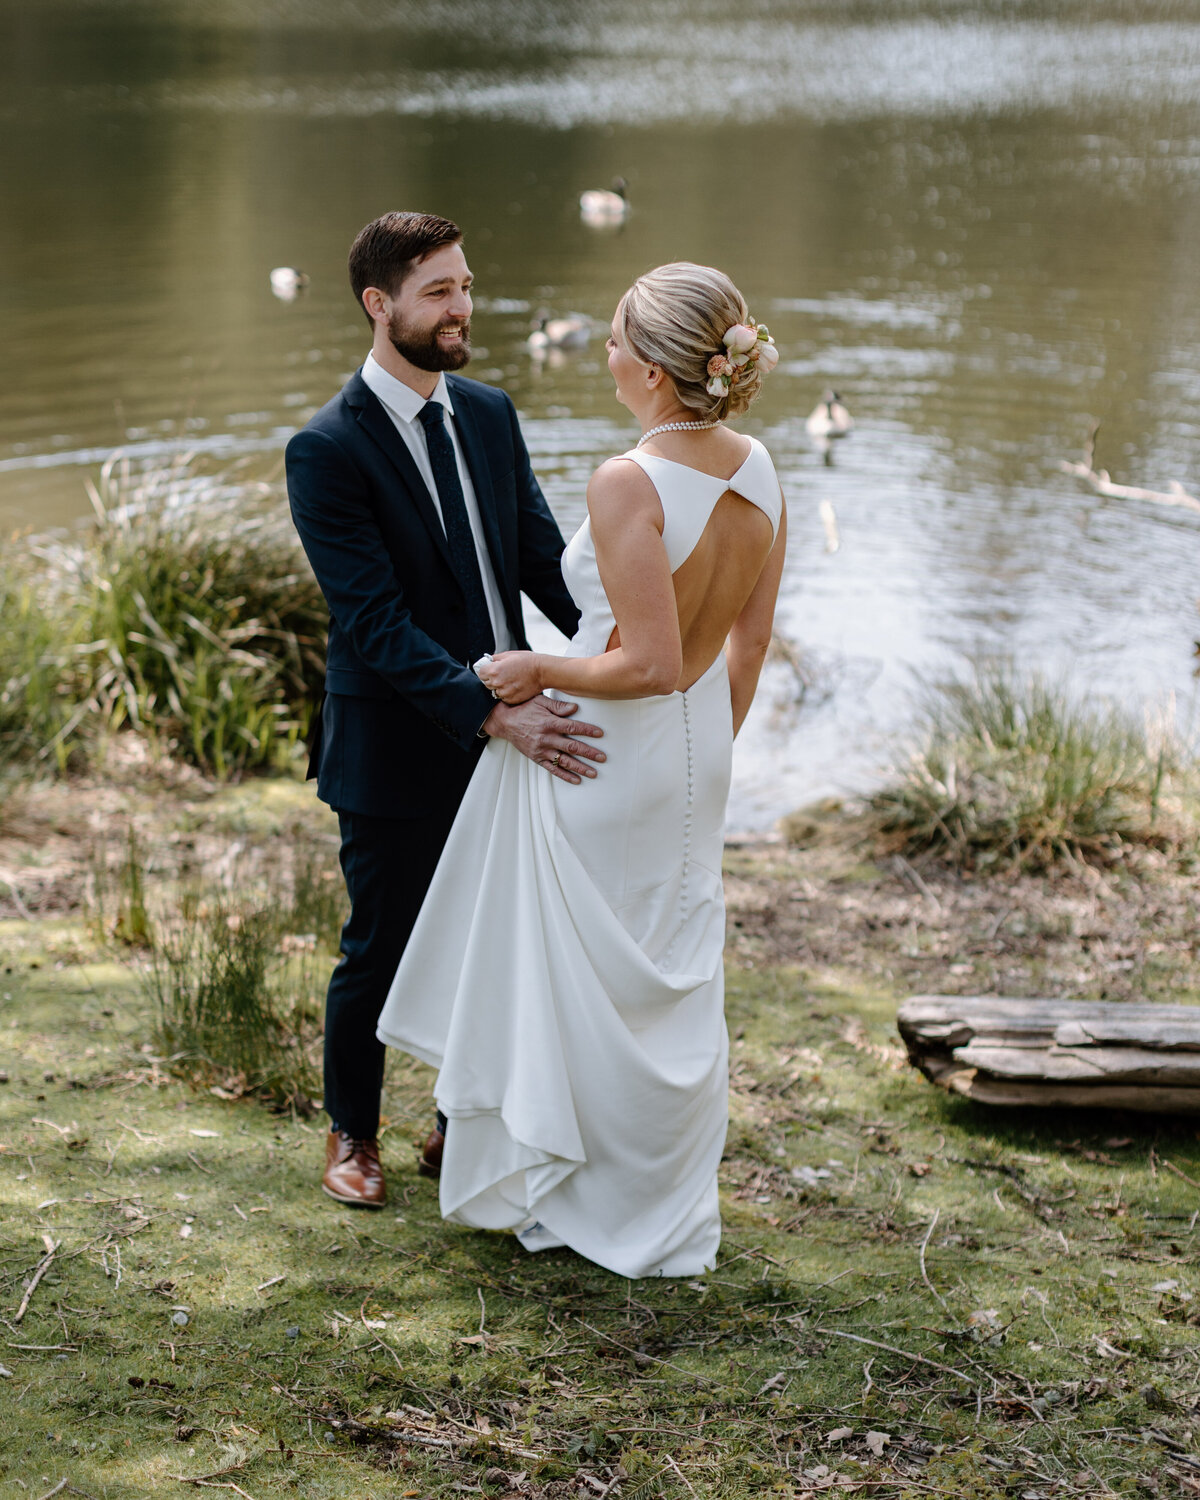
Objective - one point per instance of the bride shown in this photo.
(565, 974)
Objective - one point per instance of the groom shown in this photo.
(416, 503)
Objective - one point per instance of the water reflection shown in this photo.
(977, 224)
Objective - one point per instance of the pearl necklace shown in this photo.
(676, 427)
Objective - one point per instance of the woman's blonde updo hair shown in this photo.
(676, 317)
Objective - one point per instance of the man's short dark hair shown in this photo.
(388, 250)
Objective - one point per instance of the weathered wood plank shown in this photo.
(1098, 1054)
(1091, 1064)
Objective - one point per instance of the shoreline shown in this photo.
(1127, 931)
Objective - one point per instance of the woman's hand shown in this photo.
(514, 676)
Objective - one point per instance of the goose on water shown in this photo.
(829, 418)
(571, 332)
(287, 283)
(603, 206)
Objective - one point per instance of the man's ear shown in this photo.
(375, 303)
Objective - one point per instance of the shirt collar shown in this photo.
(401, 399)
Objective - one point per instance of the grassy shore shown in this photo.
(914, 1296)
(184, 609)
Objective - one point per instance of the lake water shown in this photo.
(978, 221)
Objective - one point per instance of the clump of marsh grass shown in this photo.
(238, 991)
(34, 708)
(1014, 770)
(184, 611)
(232, 945)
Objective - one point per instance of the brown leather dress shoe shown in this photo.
(352, 1171)
(429, 1163)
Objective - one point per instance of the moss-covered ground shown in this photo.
(914, 1297)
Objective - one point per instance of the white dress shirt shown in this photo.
(402, 404)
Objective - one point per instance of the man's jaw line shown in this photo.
(423, 381)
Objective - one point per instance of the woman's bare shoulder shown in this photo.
(621, 497)
(621, 484)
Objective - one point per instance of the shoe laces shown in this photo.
(352, 1147)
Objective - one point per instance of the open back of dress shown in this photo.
(565, 973)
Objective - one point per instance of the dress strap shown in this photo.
(689, 495)
(758, 482)
(687, 502)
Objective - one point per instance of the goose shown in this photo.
(829, 419)
(571, 332)
(287, 283)
(601, 207)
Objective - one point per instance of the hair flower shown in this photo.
(747, 345)
(740, 339)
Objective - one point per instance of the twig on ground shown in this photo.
(40, 1270)
(1032, 1198)
(211, 1484)
(904, 1353)
(654, 1359)
(924, 1272)
(1171, 1167)
(671, 1462)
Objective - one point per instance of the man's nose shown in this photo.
(461, 306)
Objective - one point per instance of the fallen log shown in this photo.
(1102, 483)
(1072, 1053)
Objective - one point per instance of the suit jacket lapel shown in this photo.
(481, 477)
(378, 424)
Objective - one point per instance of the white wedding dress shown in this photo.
(565, 974)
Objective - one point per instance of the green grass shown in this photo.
(1012, 770)
(185, 611)
(34, 705)
(1017, 1270)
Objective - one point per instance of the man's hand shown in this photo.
(537, 729)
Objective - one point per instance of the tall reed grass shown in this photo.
(237, 973)
(34, 698)
(185, 611)
(1012, 769)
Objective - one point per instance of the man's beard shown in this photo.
(421, 348)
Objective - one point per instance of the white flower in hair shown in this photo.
(746, 344)
(740, 339)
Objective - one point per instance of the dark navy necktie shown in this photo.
(480, 637)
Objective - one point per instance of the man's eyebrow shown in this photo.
(429, 286)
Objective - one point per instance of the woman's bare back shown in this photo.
(714, 583)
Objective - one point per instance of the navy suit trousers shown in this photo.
(388, 864)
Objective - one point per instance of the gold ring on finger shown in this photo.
(556, 757)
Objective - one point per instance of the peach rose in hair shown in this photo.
(739, 339)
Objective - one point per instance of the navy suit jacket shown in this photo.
(397, 735)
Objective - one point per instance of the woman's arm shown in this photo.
(627, 521)
(750, 637)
